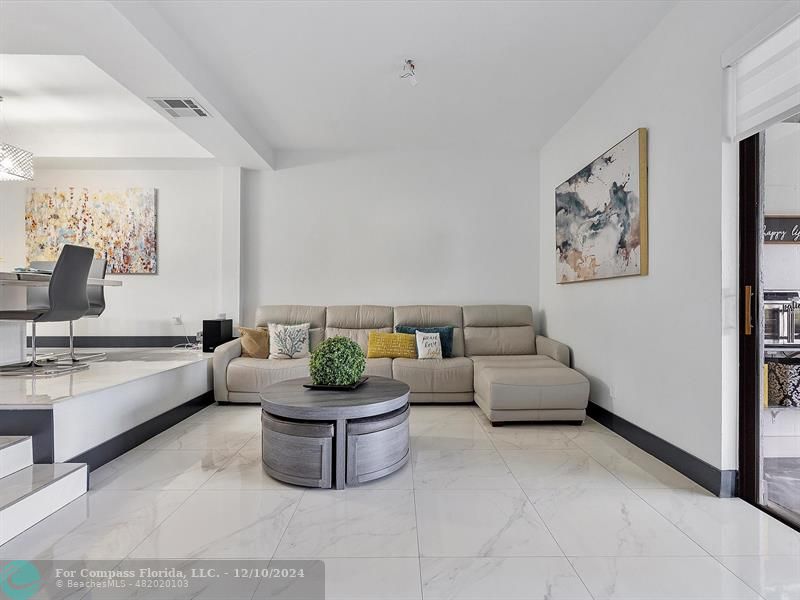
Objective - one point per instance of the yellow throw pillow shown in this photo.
(391, 345)
(255, 342)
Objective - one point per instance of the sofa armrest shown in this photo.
(553, 349)
(223, 355)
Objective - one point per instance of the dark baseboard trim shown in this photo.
(116, 446)
(111, 341)
(716, 481)
(37, 423)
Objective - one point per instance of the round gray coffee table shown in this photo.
(326, 438)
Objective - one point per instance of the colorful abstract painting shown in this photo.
(119, 224)
(601, 215)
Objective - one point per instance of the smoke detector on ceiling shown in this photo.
(181, 107)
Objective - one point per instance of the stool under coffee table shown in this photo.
(333, 438)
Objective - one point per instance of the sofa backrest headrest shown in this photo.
(496, 329)
(356, 321)
(434, 315)
(294, 314)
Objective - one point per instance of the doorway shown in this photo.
(769, 341)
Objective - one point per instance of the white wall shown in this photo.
(430, 227)
(781, 262)
(188, 220)
(660, 349)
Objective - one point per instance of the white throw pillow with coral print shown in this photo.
(288, 341)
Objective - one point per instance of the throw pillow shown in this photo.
(391, 345)
(288, 341)
(429, 345)
(255, 342)
(445, 336)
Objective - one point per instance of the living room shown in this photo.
(402, 190)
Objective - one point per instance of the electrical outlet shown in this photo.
(177, 320)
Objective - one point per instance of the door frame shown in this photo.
(751, 163)
(751, 227)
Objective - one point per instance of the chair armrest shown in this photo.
(553, 349)
(223, 355)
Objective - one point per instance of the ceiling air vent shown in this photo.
(181, 107)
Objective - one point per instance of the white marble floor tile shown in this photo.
(105, 524)
(245, 471)
(528, 437)
(558, 469)
(481, 523)
(351, 523)
(774, 577)
(635, 467)
(231, 411)
(509, 578)
(589, 425)
(160, 441)
(724, 526)
(402, 479)
(451, 413)
(449, 435)
(609, 522)
(216, 434)
(664, 578)
(159, 470)
(223, 524)
(461, 470)
(200, 588)
(359, 579)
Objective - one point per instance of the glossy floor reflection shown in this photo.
(523, 511)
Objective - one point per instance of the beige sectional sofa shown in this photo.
(498, 360)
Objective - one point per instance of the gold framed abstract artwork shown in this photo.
(601, 215)
(120, 225)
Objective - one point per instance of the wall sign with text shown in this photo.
(782, 229)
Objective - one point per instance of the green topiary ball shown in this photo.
(337, 361)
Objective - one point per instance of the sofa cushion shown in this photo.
(379, 367)
(294, 314)
(254, 374)
(445, 375)
(255, 342)
(498, 329)
(291, 314)
(524, 388)
(433, 315)
(288, 341)
(527, 361)
(391, 345)
(356, 321)
(445, 336)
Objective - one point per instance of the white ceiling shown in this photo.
(65, 105)
(325, 76)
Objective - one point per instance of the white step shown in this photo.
(16, 452)
(36, 492)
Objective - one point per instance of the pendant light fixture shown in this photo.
(16, 164)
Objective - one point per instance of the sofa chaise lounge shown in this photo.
(498, 360)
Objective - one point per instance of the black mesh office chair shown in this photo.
(95, 294)
(66, 300)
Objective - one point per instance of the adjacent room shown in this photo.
(360, 300)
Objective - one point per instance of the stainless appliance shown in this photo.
(782, 318)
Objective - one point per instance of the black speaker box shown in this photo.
(216, 332)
